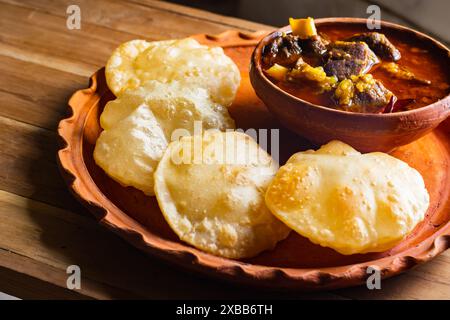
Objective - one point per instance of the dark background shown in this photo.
(429, 16)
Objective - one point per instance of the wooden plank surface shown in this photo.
(43, 229)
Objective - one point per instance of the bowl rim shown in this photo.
(256, 63)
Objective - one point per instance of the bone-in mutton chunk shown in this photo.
(363, 94)
(345, 59)
(283, 50)
(380, 44)
(316, 45)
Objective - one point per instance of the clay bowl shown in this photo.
(365, 132)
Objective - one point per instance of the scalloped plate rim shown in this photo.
(294, 278)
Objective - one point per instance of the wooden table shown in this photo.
(43, 229)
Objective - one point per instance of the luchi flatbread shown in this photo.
(135, 62)
(351, 202)
(139, 125)
(211, 189)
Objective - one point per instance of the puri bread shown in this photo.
(139, 124)
(211, 189)
(351, 202)
(130, 151)
(174, 105)
(135, 62)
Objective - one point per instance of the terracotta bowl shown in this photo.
(365, 132)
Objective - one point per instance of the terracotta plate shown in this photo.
(295, 262)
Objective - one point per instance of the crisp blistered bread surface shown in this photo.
(139, 125)
(174, 105)
(351, 202)
(135, 62)
(130, 151)
(211, 189)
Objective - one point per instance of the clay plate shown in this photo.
(295, 262)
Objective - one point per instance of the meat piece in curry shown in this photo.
(314, 49)
(343, 67)
(284, 50)
(316, 45)
(345, 59)
(362, 93)
(379, 43)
